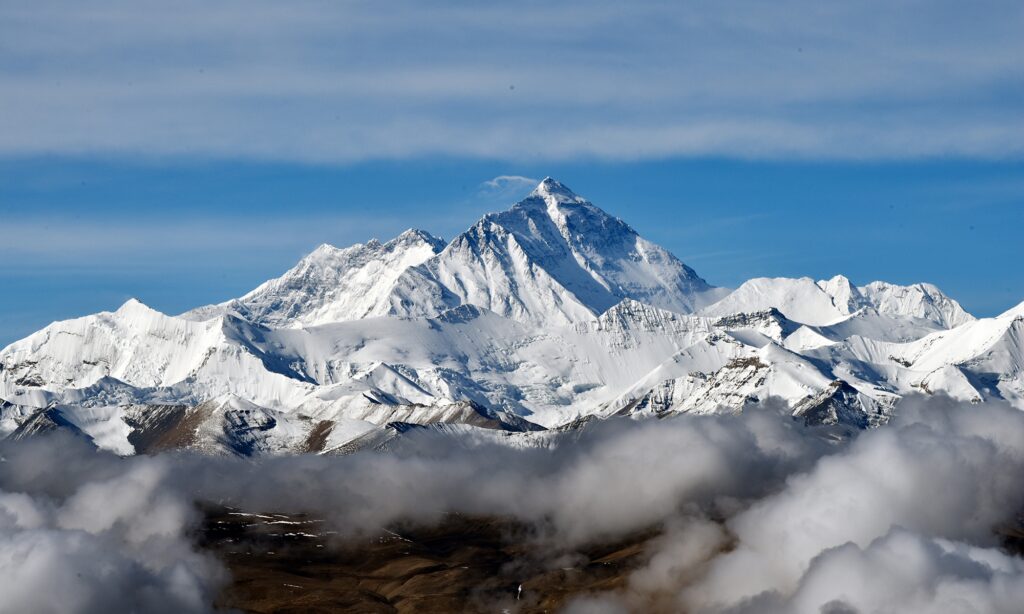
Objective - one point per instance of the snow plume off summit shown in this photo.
(548, 411)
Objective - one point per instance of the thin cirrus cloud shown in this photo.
(338, 83)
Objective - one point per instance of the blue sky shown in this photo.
(185, 156)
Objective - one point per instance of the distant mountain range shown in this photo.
(536, 319)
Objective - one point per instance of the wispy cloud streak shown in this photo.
(343, 82)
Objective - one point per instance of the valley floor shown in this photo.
(286, 563)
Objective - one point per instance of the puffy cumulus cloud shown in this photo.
(53, 570)
(901, 519)
(756, 513)
(939, 470)
(108, 536)
(904, 572)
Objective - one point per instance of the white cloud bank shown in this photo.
(759, 514)
(340, 82)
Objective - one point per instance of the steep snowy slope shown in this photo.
(868, 322)
(994, 343)
(332, 284)
(134, 344)
(918, 309)
(976, 361)
(980, 360)
(923, 301)
(472, 355)
(919, 301)
(375, 369)
(801, 300)
(145, 349)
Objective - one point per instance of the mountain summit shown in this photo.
(553, 258)
(556, 258)
(553, 190)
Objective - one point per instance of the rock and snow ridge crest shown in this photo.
(554, 258)
(549, 313)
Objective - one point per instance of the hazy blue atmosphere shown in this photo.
(184, 157)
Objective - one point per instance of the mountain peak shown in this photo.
(322, 250)
(415, 235)
(134, 305)
(556, 258)
(332, 284)
(328, 255)
(553, 191)
(846, 297)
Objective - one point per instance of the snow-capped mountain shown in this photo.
(332, 284)
(548, 314)
(554, 259)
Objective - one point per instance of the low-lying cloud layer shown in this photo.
(757, 513)
(105, 536)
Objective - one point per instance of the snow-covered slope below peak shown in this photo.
(332, 284)
(770, 371)
(868, 322)
(736, 375)
(801, 300)
(951, 381)
(470, 354)
(555, 259)
(138, 353)
(806, 338)
(829, 302)
(918, 301)
(993, 345)
(921, 301)
(771, 324)
(630, 316)
(1013, 312)
(980, 360)
(134, 344)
